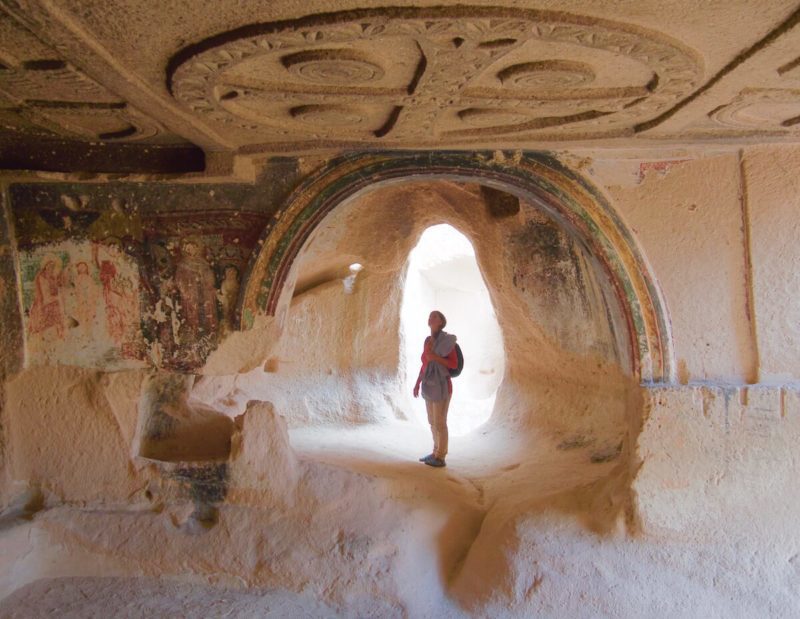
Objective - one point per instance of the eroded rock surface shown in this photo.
(205, 402)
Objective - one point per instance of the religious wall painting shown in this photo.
(194, 264)
(120, 285)
(152, 270)
(82, 305)
(46, 312)
(228, 296)
(196, 284)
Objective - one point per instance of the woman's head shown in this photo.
(437, 321)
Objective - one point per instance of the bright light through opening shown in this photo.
(443, 274)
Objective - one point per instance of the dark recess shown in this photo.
(499, 203)
(26, 153)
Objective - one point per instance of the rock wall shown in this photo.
(689, 219)
(11, 338)
(588, 476)
(771, 201)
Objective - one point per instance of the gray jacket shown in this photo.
(434, 382)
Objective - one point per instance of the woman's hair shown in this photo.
(441, 317)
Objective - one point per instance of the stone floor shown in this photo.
(147, 597)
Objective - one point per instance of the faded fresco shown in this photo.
(82, 296)
(195, 263)
(119, 275)
(563, 289)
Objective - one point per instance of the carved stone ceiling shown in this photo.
(295, 77)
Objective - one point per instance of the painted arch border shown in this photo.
(536, 176)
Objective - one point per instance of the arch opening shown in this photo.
(336, 373)
(536, 177)
(442, 274)
(577, 334)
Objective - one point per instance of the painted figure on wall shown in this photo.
(228, 295)
(86, 295)
(120, 296)
(47, 311)
(106, 258)
(194, 280)
(162, 323)
(83, 304)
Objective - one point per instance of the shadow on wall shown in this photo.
(172, 430)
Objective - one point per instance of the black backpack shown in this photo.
(457, 370)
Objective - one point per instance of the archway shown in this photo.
(572, 352)
(567, 413)
(537, 177)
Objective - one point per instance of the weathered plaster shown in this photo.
(11, 340)
(121, 275)
(773, 203)
(688, 222)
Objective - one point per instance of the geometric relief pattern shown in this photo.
(431, 76)
(763, 110)
(42, 94)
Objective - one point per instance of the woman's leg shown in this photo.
(437, 417)
(441, 428)
(431, 409)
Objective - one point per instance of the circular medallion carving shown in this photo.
(547, 74)
(334, 67)
(327, 55)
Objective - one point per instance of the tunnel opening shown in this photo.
(339, 373)
(442, 274)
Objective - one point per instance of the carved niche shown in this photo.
(431, 76)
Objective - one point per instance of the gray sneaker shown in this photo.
(437, 462)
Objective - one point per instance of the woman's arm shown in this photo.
(419, 380)
(422, 369)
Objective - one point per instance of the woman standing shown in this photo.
(438, 358)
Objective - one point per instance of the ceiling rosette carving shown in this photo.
(434, 76)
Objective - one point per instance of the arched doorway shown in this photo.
(582, 318)
(538, 178)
